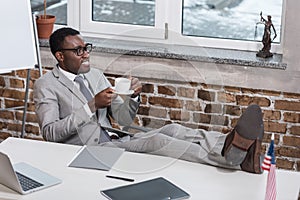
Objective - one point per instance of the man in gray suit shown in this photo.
(67, 113)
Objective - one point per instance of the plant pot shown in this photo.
(45, 25)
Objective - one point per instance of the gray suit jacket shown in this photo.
(60, 108)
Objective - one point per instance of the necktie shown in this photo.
(84, 90)
(104, 137)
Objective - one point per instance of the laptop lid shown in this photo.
(9, 178)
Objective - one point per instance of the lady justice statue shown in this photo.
(266, 40)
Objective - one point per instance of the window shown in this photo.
(124, 11)
(54, 7)
(132, 19)
(235, 19)
(230, 19)
(229, 24)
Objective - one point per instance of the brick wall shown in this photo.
(12, 94)
(195, 105)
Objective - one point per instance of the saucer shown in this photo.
(129, 92)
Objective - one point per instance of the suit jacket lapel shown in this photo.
(68, 83)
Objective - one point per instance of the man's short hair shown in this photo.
(57, 38)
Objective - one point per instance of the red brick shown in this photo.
(234, 121)
(295, 130)
(232, 110)
(210, 119)
(154, 123)
(259, 91)
(144, 110)
(275, 127)
(4, 135)
(167, 90)
(291, 141)
(22, 73)
(232, 89)
(193, 105)
(15, 94)
(284, 164)
(2, 82)
(271, 93)
(287, 105)
(16, 83)
(214, 87)
(267, 138)
(271, 115)
(12, 73)
(30, 117)
(226, 97)
(201, 118)
(34, 74)
(3, 125)
(291, 117)
(31, 83)
(15, 127)
(12, 103)
(7, 115)
(189, 125)
(158, 112)
(250, 90)
(206, 95)
(213, 108)
(289, 152)
(247, 100)
(30, 107)
(144, 99)
(291, 95)
(298, 166)
(179, 115)
(148, 88)
(32, 129)
(186, 92)
(166, 102)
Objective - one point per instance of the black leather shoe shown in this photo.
(243, 145)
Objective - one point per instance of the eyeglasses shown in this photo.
(80, 50)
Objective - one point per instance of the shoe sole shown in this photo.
(247, 134)
(238, 149)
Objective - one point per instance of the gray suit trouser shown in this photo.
(176, 141)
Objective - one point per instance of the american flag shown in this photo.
(269, 165)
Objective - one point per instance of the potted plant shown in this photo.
(45, 23)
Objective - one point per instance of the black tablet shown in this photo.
(154, 189)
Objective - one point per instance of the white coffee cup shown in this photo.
(122, 85)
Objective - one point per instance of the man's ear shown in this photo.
(59, 56)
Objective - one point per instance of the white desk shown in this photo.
(201, 181)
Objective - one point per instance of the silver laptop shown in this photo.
(22, 177)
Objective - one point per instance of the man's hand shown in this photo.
(136, 86)
(102, 99)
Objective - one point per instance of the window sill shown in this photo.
(203, 54)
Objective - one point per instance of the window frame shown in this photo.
(117, 30)
(167, 28)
